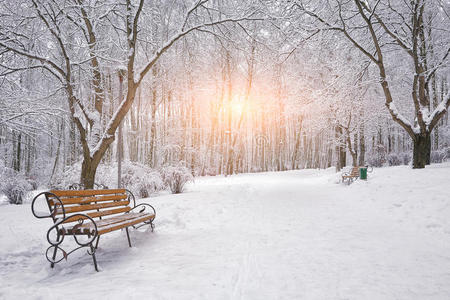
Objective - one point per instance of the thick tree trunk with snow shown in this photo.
(421, 151)
(88, 171)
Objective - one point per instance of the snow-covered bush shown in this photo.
(376, 161)
(447, 153)
(394, 159)
(14, 185)
(438, 156)
(406, 157)
(33, 183)
(141, 180)
(378, 157)
(175, 177)
(70, 176)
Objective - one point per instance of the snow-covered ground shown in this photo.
(287, 235)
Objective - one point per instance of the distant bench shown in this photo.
(349, 177)
(95, 212)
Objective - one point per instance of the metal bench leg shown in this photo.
(93, 256)
(96, 244)
(128, 236)
(54, 252)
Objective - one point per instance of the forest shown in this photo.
(141, 93)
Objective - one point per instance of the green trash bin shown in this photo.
(363, 173)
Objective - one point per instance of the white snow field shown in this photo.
(285, 235)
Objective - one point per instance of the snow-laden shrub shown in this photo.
(376, 161)
(394, 159)
(447, 153)
(141, 180)
(406, 157)
(175, 178)
(441, 155)
(14, 185)
(70, 176)
(378, 157)
(33, 183)
(391, 159)
(211, 171)
(438, 156)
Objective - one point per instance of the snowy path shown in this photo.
(290, 235)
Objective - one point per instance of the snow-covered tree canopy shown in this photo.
(221, 86)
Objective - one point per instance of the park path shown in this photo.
(288, 235)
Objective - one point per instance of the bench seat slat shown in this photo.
(79, 208)
(111, 224)
(124, 224)
(84, 200)
(102, 213)
(116, 219)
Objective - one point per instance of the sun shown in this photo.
(238, 108)
(237, 105)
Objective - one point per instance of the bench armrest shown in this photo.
(53, 209)
(52, 212)
(145, 208)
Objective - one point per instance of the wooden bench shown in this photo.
(88, 214)
(349, 177)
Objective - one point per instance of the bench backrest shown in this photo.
(94, 203)
(355, 171)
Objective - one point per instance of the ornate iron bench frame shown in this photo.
(58, 213)
(351, 175)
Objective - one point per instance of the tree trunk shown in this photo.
(88, 171)
(340, 149)
(119, 156)
(336, 150)
(151, 156)
(352, 153)
(229, 147)
(30, 149)
(342, 156)
(58, 150)
(19, 150)
(132, 136)
(421, 151)
(298, 139)
(362, 147)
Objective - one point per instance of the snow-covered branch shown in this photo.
(439, 111)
